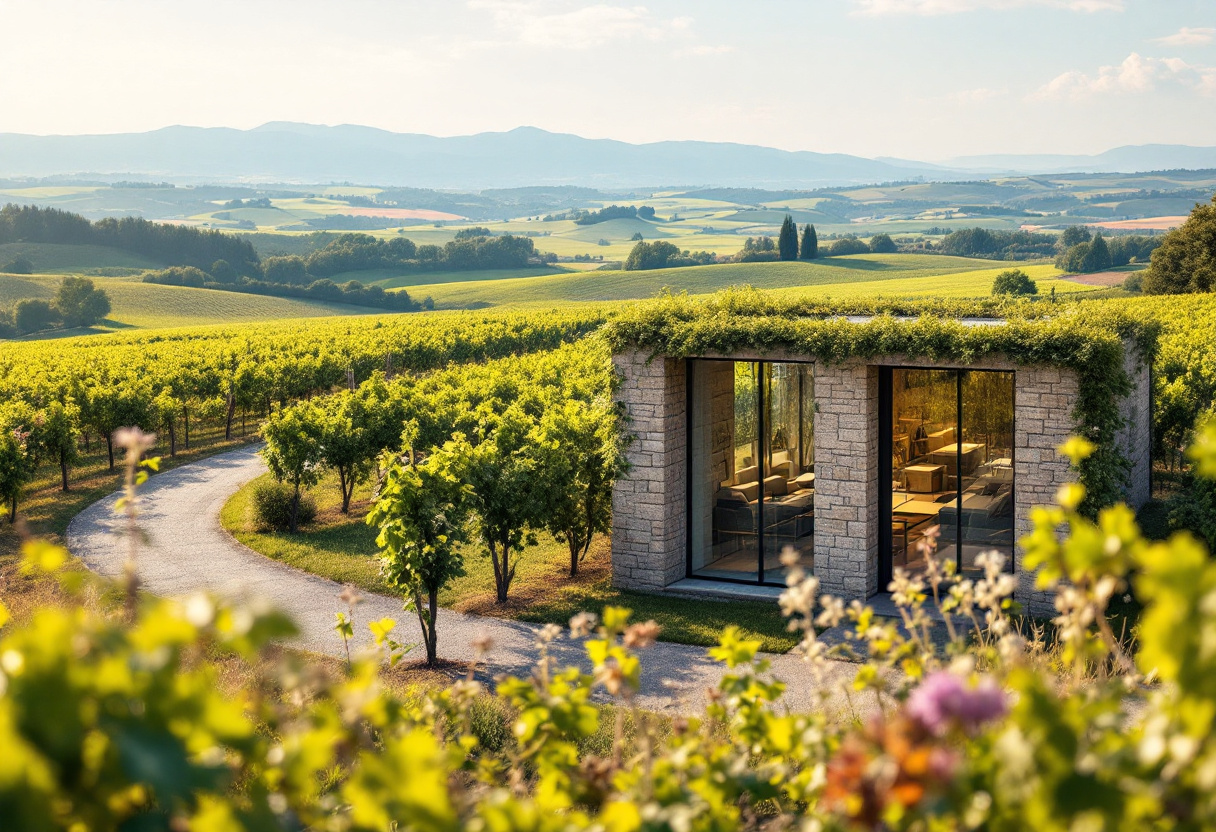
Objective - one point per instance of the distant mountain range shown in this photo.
(288, 152)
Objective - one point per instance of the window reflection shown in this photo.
(752, 463)
(952, 464)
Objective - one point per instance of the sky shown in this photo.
(918, 79)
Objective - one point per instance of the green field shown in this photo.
(52, 258)
(889, 275)
(149, 306)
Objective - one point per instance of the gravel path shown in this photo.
(186, 550)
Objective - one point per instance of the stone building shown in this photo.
(738, 456)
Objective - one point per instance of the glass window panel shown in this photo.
(924, 482)
(986, 467)
(789, 467)
(725, 468)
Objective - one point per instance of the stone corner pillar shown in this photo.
(648, 502)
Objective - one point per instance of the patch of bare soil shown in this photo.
(1100, 278)
(1144, 223)
(524, 594)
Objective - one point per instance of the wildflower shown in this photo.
(944, 699)
(482, 644)
(350, 595)
(642, 635)
(547, 634)
(583, 624)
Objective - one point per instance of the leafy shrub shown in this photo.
(847, 245)
(1134, 283)
(34, 315)
(272, 506)
(21, 265)
(1014, 282)
(883, 244)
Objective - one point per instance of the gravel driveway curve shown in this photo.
(186, 550)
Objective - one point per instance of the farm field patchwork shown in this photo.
(893, 275)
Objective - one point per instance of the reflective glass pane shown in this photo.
(789, 467)
(924, 442)
(725, 467)
(986, 466)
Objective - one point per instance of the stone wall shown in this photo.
(846, 479)
(648, 503)
(1044, 398)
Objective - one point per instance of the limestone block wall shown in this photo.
(846, 478)
(648, 503)
(1042, 420)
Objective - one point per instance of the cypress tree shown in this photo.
(1098, 258)
(787, 240)
(810, 243)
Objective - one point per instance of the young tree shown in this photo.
(221, 271)
(581, 451)
(59, 436)
(787, 239)
(810, 243)
(166, 409)
(508, 490)
(345, 440)
(18, 454)
(117, 404)
(80, 303)
(293, 450)
(422, 515)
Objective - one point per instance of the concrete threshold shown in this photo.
(701, 588)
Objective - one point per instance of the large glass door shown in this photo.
(947, 445)
(751, 463)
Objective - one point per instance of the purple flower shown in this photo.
(944, 699)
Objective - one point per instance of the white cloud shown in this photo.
(703, 50)
(542, 25)
(939, 7)
(1137, 74)
(1188, 36)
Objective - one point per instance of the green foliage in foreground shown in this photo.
(111, 720)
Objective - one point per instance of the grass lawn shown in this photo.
(343, 549)
(56, 258)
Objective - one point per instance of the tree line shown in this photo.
(171, 244)
(613, 212)
(215, 260)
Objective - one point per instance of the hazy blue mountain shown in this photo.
(289, 152)
(1128, 159)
